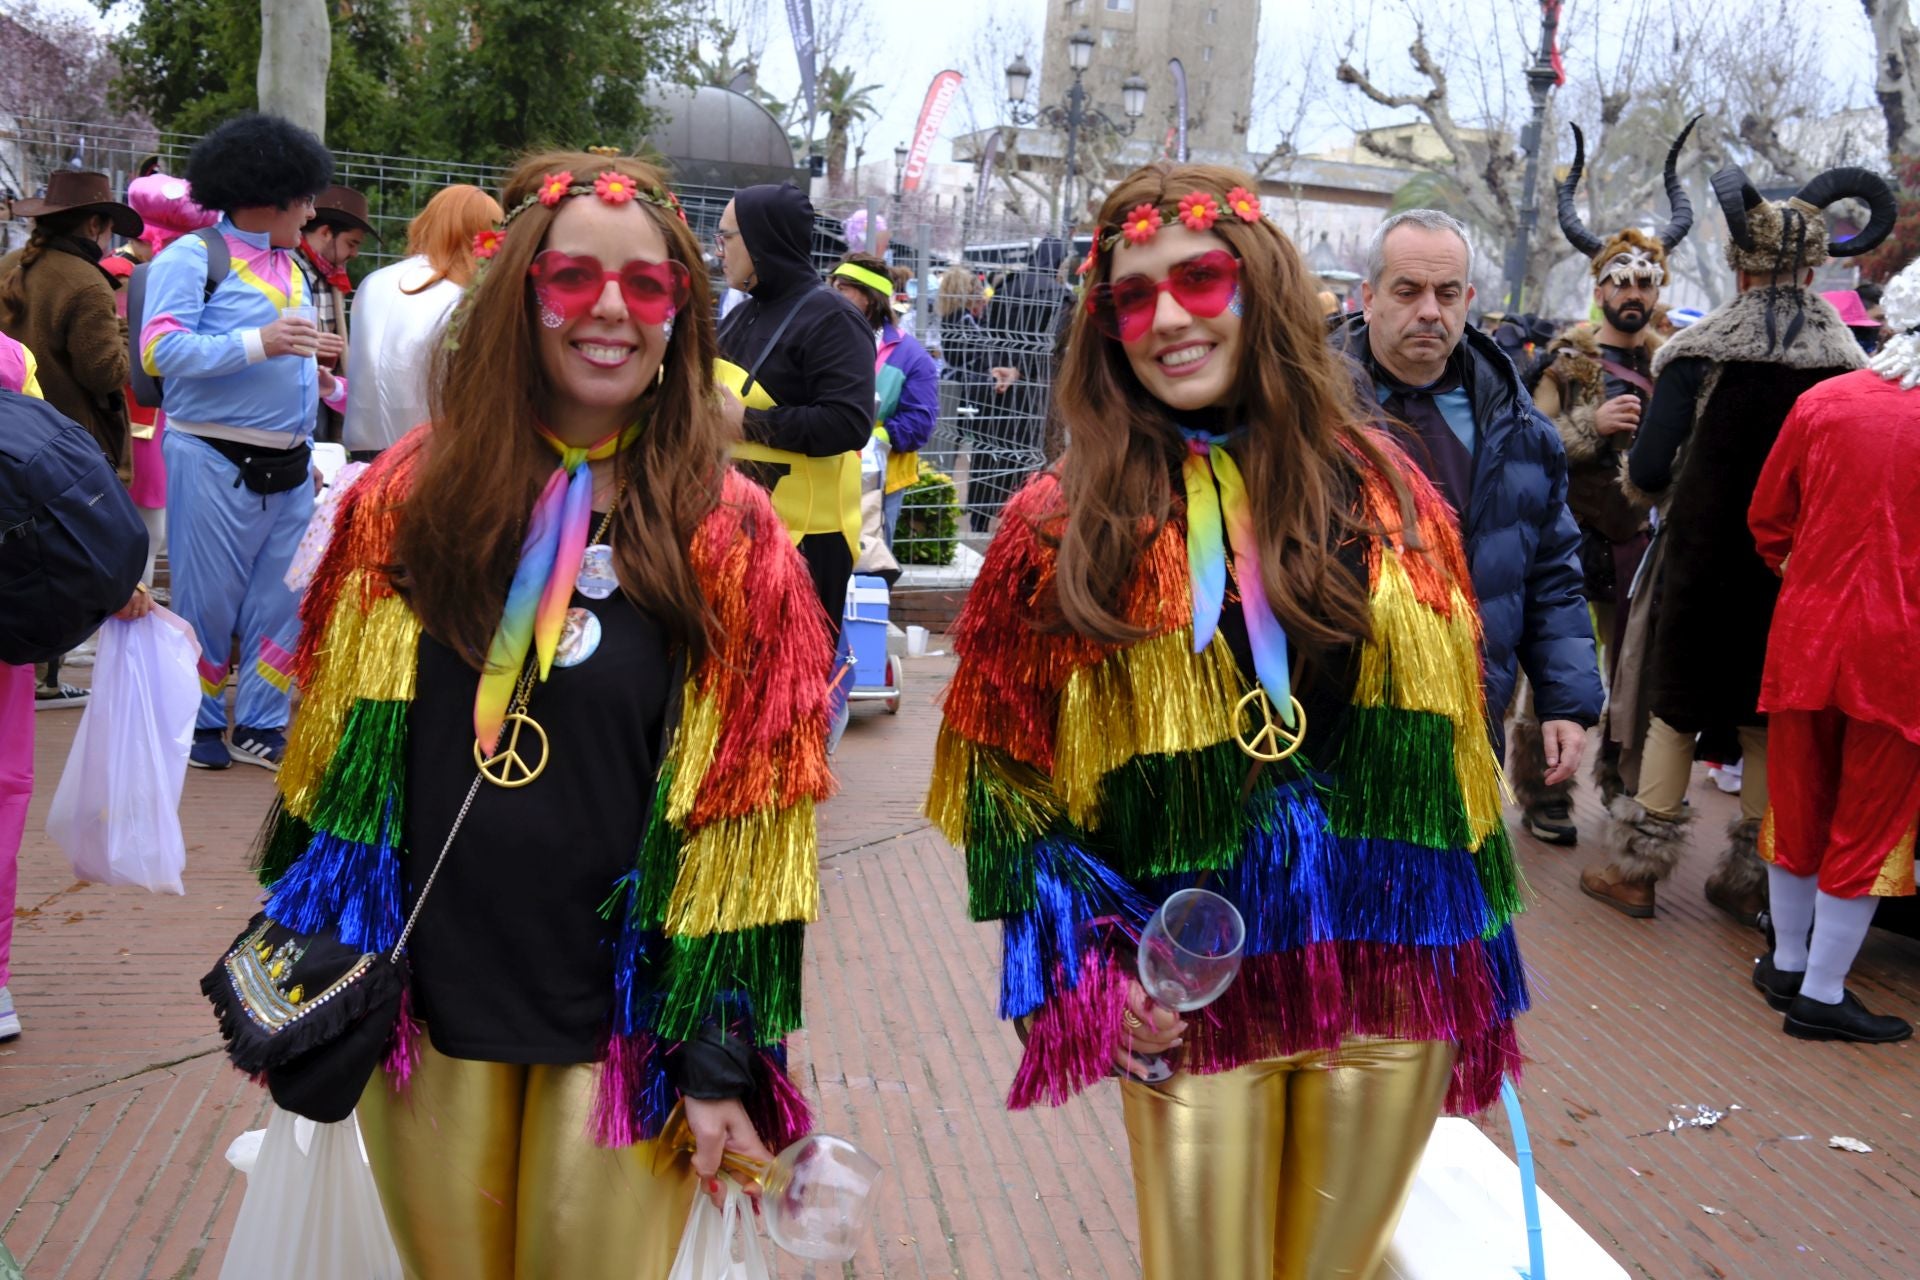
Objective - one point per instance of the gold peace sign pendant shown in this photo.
(506, 767)
(1269, 740)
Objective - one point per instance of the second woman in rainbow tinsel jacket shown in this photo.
(1218, 515)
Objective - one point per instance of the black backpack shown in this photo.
(147, 388)
(71, 542)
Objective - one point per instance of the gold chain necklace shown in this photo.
(506, 766)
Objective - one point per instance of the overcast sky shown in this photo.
(909, 41)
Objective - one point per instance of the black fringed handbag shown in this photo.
(311, 1014)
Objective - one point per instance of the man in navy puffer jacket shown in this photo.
(1457, 404)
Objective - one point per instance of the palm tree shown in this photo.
(844, 105)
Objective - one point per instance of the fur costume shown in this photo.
(1646, 847)
(1739, 874)
(1594, 461)
(1715, 599)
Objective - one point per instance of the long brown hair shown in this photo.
(443, 233)
(460, 532)
(1302, 453)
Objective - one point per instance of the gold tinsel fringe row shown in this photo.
(946, 805)
(1157, 697)
(694, 742)
(1420, 660)
(746, 872)
(324, 701)
(388, 656)
(369, 655)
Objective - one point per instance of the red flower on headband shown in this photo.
(1244, 203)
(553, 188)
(487, 243)
(1199, 211)
(1087, 263)
(614, 188)
(1141, 224)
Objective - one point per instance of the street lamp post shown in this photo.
(900, 154)
(1542, 76)
(1076, 114)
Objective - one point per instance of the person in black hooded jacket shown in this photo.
(806, 345)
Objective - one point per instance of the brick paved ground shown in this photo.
(115, 1109)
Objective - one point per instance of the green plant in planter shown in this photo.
(929, 528)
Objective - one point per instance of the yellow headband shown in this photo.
(872, 279)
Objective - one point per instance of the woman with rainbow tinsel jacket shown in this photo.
(564, 546)
(1222, 527)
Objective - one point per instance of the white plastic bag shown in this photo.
(708, 1249)
(116, 811)
(311, 1211)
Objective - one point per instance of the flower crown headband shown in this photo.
(612, 186)
(1196, 211)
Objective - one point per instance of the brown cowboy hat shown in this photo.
(338, 204)
(69, 191)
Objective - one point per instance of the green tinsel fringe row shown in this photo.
(1395, 779)
(1500, 881)
(1004, 821)
(762, 963)
(363, 776)
(1165, 814)
(282, 839)
(659, 863)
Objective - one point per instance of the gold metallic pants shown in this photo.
(486, 1172)
(1294, 1168)
(1666, 767)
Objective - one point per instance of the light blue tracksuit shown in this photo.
(229, 547)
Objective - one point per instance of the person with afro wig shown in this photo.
(241, 391)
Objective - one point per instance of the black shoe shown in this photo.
(1848, 1020)
(1552, 822)
(1778, 987)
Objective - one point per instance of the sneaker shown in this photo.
(209, 750)
(9, 1016)
(264, 747)
(1552, 821)
(47, 698)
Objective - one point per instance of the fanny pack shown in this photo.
(265, 470)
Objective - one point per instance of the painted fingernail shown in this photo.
(713, 1186)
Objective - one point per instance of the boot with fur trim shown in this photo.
(1546, 811)
(1646, 849)
(1606, 777)
(1738, 885)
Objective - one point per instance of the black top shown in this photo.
(820, 371)
(1668, 423)
(511, 960)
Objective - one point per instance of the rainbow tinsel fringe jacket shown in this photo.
(714, 911)
(1085, 782)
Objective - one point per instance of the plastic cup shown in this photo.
(916, 642)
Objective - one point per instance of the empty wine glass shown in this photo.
(817, 1197)
(1189, 954)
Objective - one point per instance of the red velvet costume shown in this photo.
(1837, 512)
